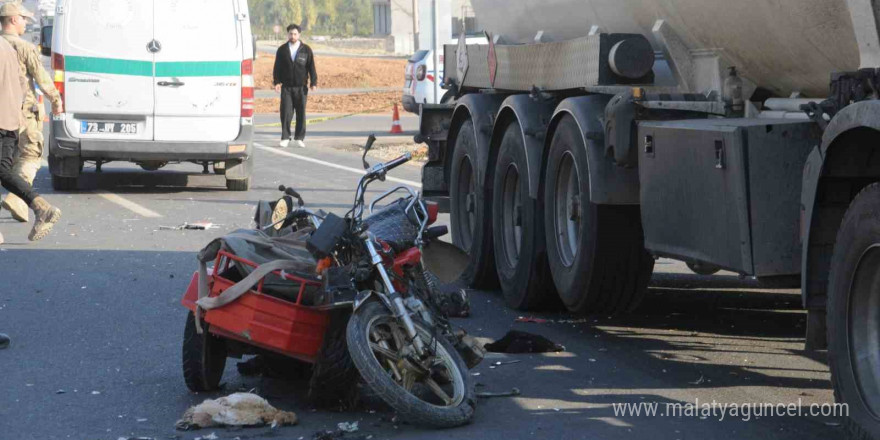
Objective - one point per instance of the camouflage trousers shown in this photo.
(27, 162)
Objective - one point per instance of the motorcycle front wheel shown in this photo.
(436, 391)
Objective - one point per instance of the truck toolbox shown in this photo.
(708, 187)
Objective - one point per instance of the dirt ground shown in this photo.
(341, 72)
(357, 103)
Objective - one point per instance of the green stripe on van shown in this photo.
(145, 68)
(108, 65)
(199, 68)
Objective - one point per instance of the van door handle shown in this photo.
(171, 84)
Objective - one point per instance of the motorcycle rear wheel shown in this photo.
(441, 396)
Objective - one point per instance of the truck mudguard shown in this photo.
(610, 184)
(533, 115)
(481, 109)
(814, 274)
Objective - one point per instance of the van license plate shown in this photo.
(109, 127)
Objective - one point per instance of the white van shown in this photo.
(153, 82)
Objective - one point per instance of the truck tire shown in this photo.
(471, 228)
(596, 252)
(64, 183)
(204, 357)
(518, 236)
(853, 315)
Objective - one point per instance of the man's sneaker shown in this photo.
(300, 144)
(4, 341)
(284, 143)
(47, 215)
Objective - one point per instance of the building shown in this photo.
(393, 19)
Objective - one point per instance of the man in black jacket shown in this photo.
(294, 66)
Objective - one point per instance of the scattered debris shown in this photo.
(211, 436)
(832, 424)
(532, 320)
(500, 363)
(238, 409)
(197, 226)
(698, 381)
(348, 426)
(136, 438)
(511, 393)
(60, 392)
(141, 420)
(95, 393)
(523, 342)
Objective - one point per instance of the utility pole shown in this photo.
(415, 11)
(437, 48)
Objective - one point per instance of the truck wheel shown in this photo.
(64, 183)
(471, 230)
(204, 357)
(853, 315)
(596, 253)
(518, 239)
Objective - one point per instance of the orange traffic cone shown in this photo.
(395, 123)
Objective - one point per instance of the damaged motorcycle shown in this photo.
(355, 296)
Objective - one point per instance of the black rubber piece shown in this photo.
(204, 357)
(481, 269)
(333, 383)
(611, 269)
(408, 406)
(238, 184)
(64, 183)
(859, 231)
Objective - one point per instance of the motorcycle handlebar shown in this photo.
(394, 163)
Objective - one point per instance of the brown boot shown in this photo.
(16, 207)
(47, 215)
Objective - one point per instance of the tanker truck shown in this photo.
(590, 137)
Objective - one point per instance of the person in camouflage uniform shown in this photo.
(13, 19)
(30, 150)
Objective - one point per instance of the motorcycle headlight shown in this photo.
(282, 208)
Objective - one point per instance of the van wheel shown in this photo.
(471, 227)
(596, 252)
(64, 183)
(238, 184)
(204, 357)
(853, 315)
(517, 229)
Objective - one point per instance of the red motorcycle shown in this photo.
(352, 295)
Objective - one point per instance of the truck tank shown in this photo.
(782, 45)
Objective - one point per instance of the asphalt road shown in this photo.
(95, 316)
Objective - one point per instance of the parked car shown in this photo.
(143, 82)
(419, 76)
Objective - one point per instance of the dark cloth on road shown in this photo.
(10, 180)
(293, 100)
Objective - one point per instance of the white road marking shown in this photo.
(332, 165)
(129, 205)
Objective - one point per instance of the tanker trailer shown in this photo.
(590, 137)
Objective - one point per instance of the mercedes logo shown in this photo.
(154, 46)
